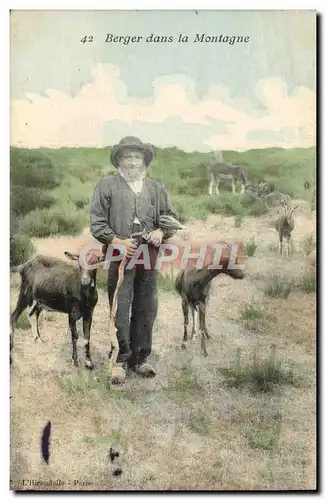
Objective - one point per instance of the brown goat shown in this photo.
(54, 284)
(193, 285)
(284, 225)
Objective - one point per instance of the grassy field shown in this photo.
(51, 189)
(244, 418)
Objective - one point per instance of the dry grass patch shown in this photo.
(292, 321)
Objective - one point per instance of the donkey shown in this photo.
(56, 285)
(224, 170)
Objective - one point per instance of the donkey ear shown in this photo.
(72, 256)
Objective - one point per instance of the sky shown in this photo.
(193, 95)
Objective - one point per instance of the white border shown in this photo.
(4, 185)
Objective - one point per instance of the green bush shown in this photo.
(57, 220)
(33, 168)
(21, 248)
(25, 199)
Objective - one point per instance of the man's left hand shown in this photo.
(155, 237)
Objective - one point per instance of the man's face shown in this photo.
(131, 159)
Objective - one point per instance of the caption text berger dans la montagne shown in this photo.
(152, 38)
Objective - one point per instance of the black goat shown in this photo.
(54, 284)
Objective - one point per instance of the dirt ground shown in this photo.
(184, 429)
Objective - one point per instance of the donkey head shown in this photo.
(91, 259)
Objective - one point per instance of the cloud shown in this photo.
(55, 119)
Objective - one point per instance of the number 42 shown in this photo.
(87, 39)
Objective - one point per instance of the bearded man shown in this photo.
(122, 205)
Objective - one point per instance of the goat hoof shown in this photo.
(184, 345)
(75, 362)
(89, 364)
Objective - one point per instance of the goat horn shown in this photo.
(293, 208)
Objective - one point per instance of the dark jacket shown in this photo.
(114, 207)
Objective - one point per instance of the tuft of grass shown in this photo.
(308, 243)
(252, 315)
(260, 375)
(251, 247)
(278, 288)
(307, 283)
(166, 282)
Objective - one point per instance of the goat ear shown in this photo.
(72, 256)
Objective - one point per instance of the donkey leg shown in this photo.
(38, 312)
(233, 187)
(216, 187)
(185, 310)
(74, 338)
(87, 323)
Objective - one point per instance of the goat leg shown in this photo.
(281, 244)
(202, 328)
(194, 331)
(202, 320)
(74, 338)
(87, 323)
(185, 310)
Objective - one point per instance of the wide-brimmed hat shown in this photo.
(132, 142)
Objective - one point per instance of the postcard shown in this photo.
(163, 239)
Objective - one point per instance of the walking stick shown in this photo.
(113, 340)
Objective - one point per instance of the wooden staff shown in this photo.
(113, 340)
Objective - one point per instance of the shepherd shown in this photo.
(125, 204)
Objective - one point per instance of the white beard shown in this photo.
(133, 175)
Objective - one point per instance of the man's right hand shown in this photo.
(129, 244)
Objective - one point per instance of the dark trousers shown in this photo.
(136, 312)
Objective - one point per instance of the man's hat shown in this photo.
(132, 142)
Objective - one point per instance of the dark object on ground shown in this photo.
(117, 472)
(113, 454)
(45, 442)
